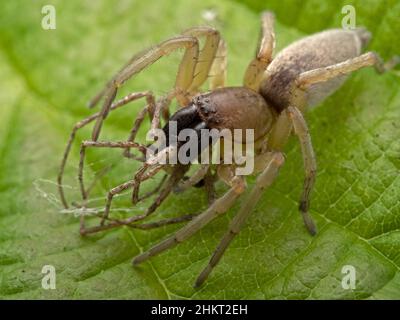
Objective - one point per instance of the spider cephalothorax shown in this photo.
(275, 94)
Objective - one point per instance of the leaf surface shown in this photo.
(46, 78)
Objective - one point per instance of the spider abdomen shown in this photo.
(316, 51)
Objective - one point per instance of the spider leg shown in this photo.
(144, 59)
(218, 69)
(280, 132)
(310, 166)
(84, 192)
(161, 223)
(264, 180)
(288, 119)
(117, 190)
(154, 113)
(206, 55)
(211, 64)
(203, 174)
(155, 190)
(173, 179)
(209, 185)
(81, 124)
(292, 117)
(189, 71)
(264, 52)
(220, 206)
(100, 144)
(152, 163)
(148, 170)
(193, 180)
(308, 78)
(114, 223)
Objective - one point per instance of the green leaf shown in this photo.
(46, 78)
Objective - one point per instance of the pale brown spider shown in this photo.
(275, 94)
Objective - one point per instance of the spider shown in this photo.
(272, 100)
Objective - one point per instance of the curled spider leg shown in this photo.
(162, 223)
(257, 66)
(264, 180)
(148, 170)
(220, 206)
(100, 144)
(310, 165)
(114, 223)
(154, 113)
(154, 191)
(152, 165)
(84, 192)
(97, 177)
(81, 124)
(173, 179)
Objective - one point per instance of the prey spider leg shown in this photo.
(81, 124)
(162, 223)
(174, 178)
(100, 144)
(154, 113)
(145, 175)
(154, 191)
(114, 191)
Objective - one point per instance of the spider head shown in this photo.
(235, 108)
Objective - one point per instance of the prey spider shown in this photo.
(272, 100)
